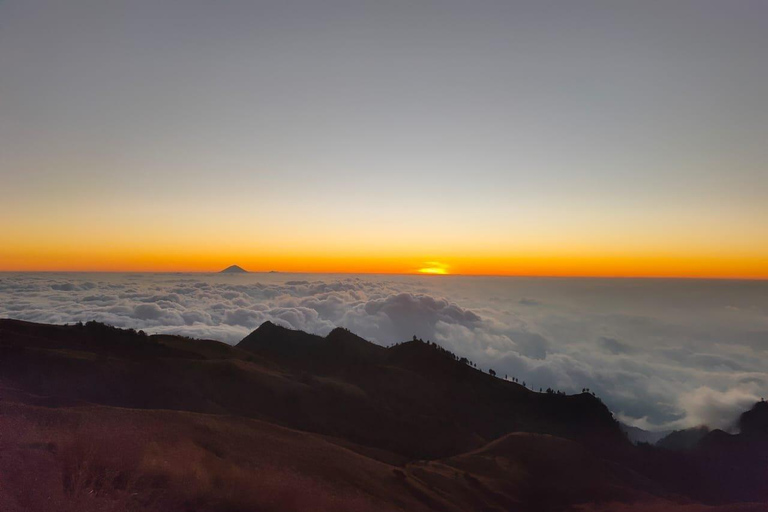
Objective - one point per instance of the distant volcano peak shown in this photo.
(234, 269)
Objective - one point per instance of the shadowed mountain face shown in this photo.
(98, 418)
(419, 400)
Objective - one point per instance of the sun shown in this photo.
(434, 268)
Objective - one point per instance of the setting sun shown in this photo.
(434, 268)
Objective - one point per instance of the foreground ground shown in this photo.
(97, 419)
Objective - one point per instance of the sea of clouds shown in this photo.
(660, 353)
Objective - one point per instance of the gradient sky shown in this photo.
(553, 138)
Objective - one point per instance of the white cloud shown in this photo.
(660, 354)
(717, 409)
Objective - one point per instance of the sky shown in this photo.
(660, 353)
(492, 137)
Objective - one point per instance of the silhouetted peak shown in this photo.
(412, 347)
(686, 439)
(755, 420)
(342, 332)
(272, 329)
(715, 439)
(234, 269)
(269, 325)
(426, 356)
(350, 344)
(272, 338)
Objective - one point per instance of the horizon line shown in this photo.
(429, 275)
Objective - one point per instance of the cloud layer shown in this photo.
(660, 353)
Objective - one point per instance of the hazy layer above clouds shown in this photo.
(661, 353)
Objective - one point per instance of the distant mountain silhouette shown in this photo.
(234, 269)
(339, 347)
(639, 435)
(686, 439)
(99, 418)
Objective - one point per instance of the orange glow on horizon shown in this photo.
(174, 237)
(111, 259)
